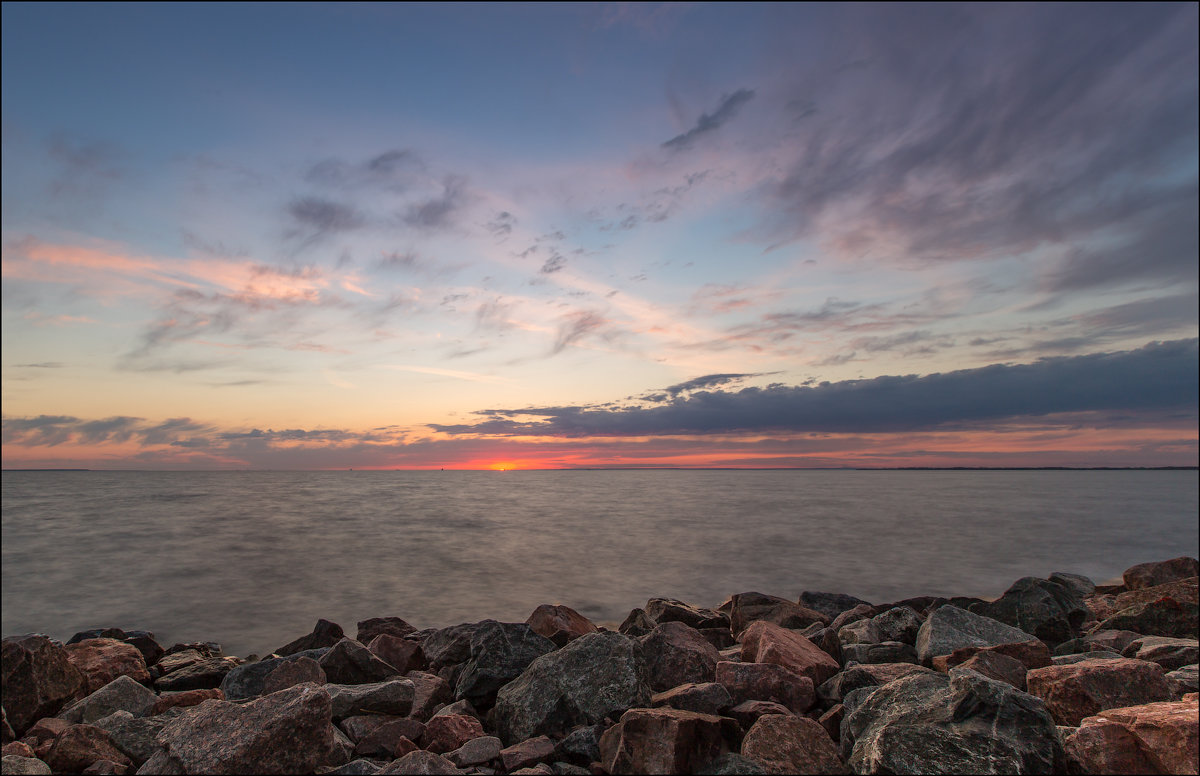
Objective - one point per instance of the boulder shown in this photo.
(949, 628)
(121, 694)
(1106, 748)
(662, 610)
(706, 698)
(745, 608)
(1166, 616)
(747, 712)
(964, 723)
(37, 679)
(860, 612)
(459, 707)
(581, 746)
(377, 626)
(899, 623)
(183, 700)
(1146, 575)
(661, 741)
(500, 651)
(883, 652)
(677, 654)
(449, 646)
(594, 676)
(1170, 653)
(290, 673)
(559, 623)
(636, 623)
(788, 744)
(15, 764)
(183, 658)
(420, 763)
(1100, 654)
(1114, 640)
(403, 654)
(829, 604)
(767, 682)
(431, 692)
(1083, 689)
(247, 680)
(324, 634)
(1031, 654)
(529, 752)
(1050, 611)
(286, 732)
(79, 746)
(858, 632)
(1000, 667)
(1165, 734)
(144, 641)
(349, 662)
(102, 660)
(872, 675)
(1182, 590)
(448, 732)
(206, 674)
(1076, 583)
(477, 751)
(765, 642)
(394, 696)
(359, 726)
(136, 737)
(732, 763)
(389, 740)
(1184, 680)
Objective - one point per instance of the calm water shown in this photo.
(251, 560)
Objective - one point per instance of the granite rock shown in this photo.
(37, 679)
(949, 628)
(499, 653)
(324, 634)
(559, 623)
(788, 744)
(1072, 692)
(661, 741)
(677, 654)
(765, 642)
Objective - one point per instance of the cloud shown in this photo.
(708, 381)
(726, 110)
(576, 327)
(322, 216)
(395, 170)
(439, 212)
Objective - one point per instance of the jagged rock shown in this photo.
(529, 752)
(899, 623)
(677, 654)
(767, 682)
(581, 746)
(705, 698)
(1114, 640)
(745, 608)
(359, 767)
(830, 604)
(459, 707)
(1000, 667)
(789, 744)
(37, 679)
(1072, 692)
(121, 694)
(206, 674)
(290, 673)
(404, 654)
(637, 623)
(359, 726)
(349, 662)
(1031, 654)
(477, 751)
(859, 612)
(858, 632)
(19, 748)
(594, 676)
(1146, 575)
(390, 740)
(1168, 652)
(883, 652)
(79, 746)
(431, 693)
(765, 642)
(1166, 616)
(324, 634)
(832, 721)
(949, 628)
(720, 638)
(31, 766)
(136, 737)
(1050, 611)
(183, 700)
(375, 626)
(98, 633)
(559, 623)
(662, 610)
(394, 696)
(499, 653)
(871, 675)
(449, 646)
(144, 641)
(448, 732)
(1105, 747)
(1165, 737)
(1076, 583)
(246, 681)
(183, 658)
(661, 741)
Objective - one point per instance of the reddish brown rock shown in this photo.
(1031, 654)
(1182, 590)
(291, 673)
(184, 699)
(1106, 748)
(705, 698)
(389, 741)
(403, 654)
(1114, 640)
(448, 732)
(747, 712)
(106, 768)
(1146, 575)
(377, 626)
(832, 721)
(1170, 653)
(790, 744)
(559, 623)
(175, 661)
(102, 660)
(1165, 616)
(766, 682)
(745, 608)
(524, 754)
(79, 746)
(1072, 692)
(1100, 606)
(360, 726)
(44, 731)
(662, 740)
(999, 667)
(431, 693)
(766, 642)
(422, 763)
(1168, 734)
(677, 654)
(18, 748)
(37, 680)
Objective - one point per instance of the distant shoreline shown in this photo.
(692, 469)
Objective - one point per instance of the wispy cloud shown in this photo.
(728, 108)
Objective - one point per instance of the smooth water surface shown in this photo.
(252, 559)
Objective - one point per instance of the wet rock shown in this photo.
(705, 698)
(377, 626)
(581, 746)
(477, 751)
(1000, 667)
(899, 623)
(499, 653)
(206, 674)
(285, 732)
(1170, 653)
(1146, 575)
(1076, 583)
(32, 766)
(349, 662)
(677, 654)
(79, 746)
(431, 692)
(1165, 733)
(871, 675)
(745, 608)
(403, 654)
(559, 623)
(594, 676)
(1031, 654)
(390, 740)
(1184, 680)
(767, 682)
(788, 744)
(37, 680)
(448, 732)
(394, 696)
(449, 646)
(529, 752)
(637, 623)
(950, 628)
(830, 604)
(290, 673)
(883, 652)
(765, 642)
(324, 634)
(1072, 692)
(121, 694)
(662, 610)
(661, 741)
(747, 712)
(1050, 611)
(421, 763)
(136, 737)
(1100, 654)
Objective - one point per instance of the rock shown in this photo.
(637, 623)
(871, 675)
(32, 766)
(18, 748)
(1072, 692)
(420, 762)
(745, 608)
(1182, 590)
(732, 763)
(98, 633)
(359, 767)
(121, 694)
(581, 746)
(448, 732)
(706, 698)
(1050, 611)
(43, 732)
(765, 642)
(1164, 734)
(79, 746)
(183, 700)
(1165, 617)
(1168, 652)
(359, 726)
(1114, 640)
(747, 712)
(858, 632)
(967, 723)
(529, 752)
(594, 676)
(899, 623)
(459, 707)
(860, 612)
(324, 634)
(290, 673)
(767, 682)
(566, 769)
(1076, 583)
(788, 744)
(1031, 654)
(144, 641)
(37, 679)
(662, 610)
(403, 654)
(174, 661)
(394, 696)
(677, 654)
(390, 740)
(559, 623)
(499, 653)
(102, 660)
(286, 732)
(206, 674)
(661, 741)
(136, 737)
(377, 626)
(449, 646)
(1067, 660)
(349, 662)
(1000, 667)
(830, 604)
(883, 652)
(1184, 680)
(832, 721)
(950, 628)
(477, 751)
(246, 681)
(431, 693)
(720, 638)
(1146, 575)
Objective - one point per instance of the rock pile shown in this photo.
(1057, 675)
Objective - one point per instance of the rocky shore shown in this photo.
(1055, 675)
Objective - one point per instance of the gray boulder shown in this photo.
(1052, 612)
(949, 628)
(883, 652)
(349, 662)
(121, 694)
(246, 681)
(899, 623)
(830, 604)
(324, 634)
(448, 646)
(500, 651)
(394, 696)
(136, 737)
(677, 654)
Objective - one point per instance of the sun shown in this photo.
(502, 466)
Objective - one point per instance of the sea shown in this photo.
(251, 560)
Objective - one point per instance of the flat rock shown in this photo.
(79, 746)
(500, 651)
(661, 741)
(703, 698)
(1050, 611)
(677, 654)
(421, 763)
(324, 634)
(375, 626)
(789, 744)
(1168, 652)
(394, 696)
(38, 679)
(829, 604)
(528, 752)
(949, 628)
(765, 642)
(767, 682)
(559, 623)
(1099, 654)
(448, 732)
(403, 654)
(1166, 733)
(183, 658)
(349, 662)
(662, 610)
(1146, 575)
(205, 674)
(1072, 692)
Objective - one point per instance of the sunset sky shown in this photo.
(520, 236)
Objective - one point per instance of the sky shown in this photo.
(243, 236)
